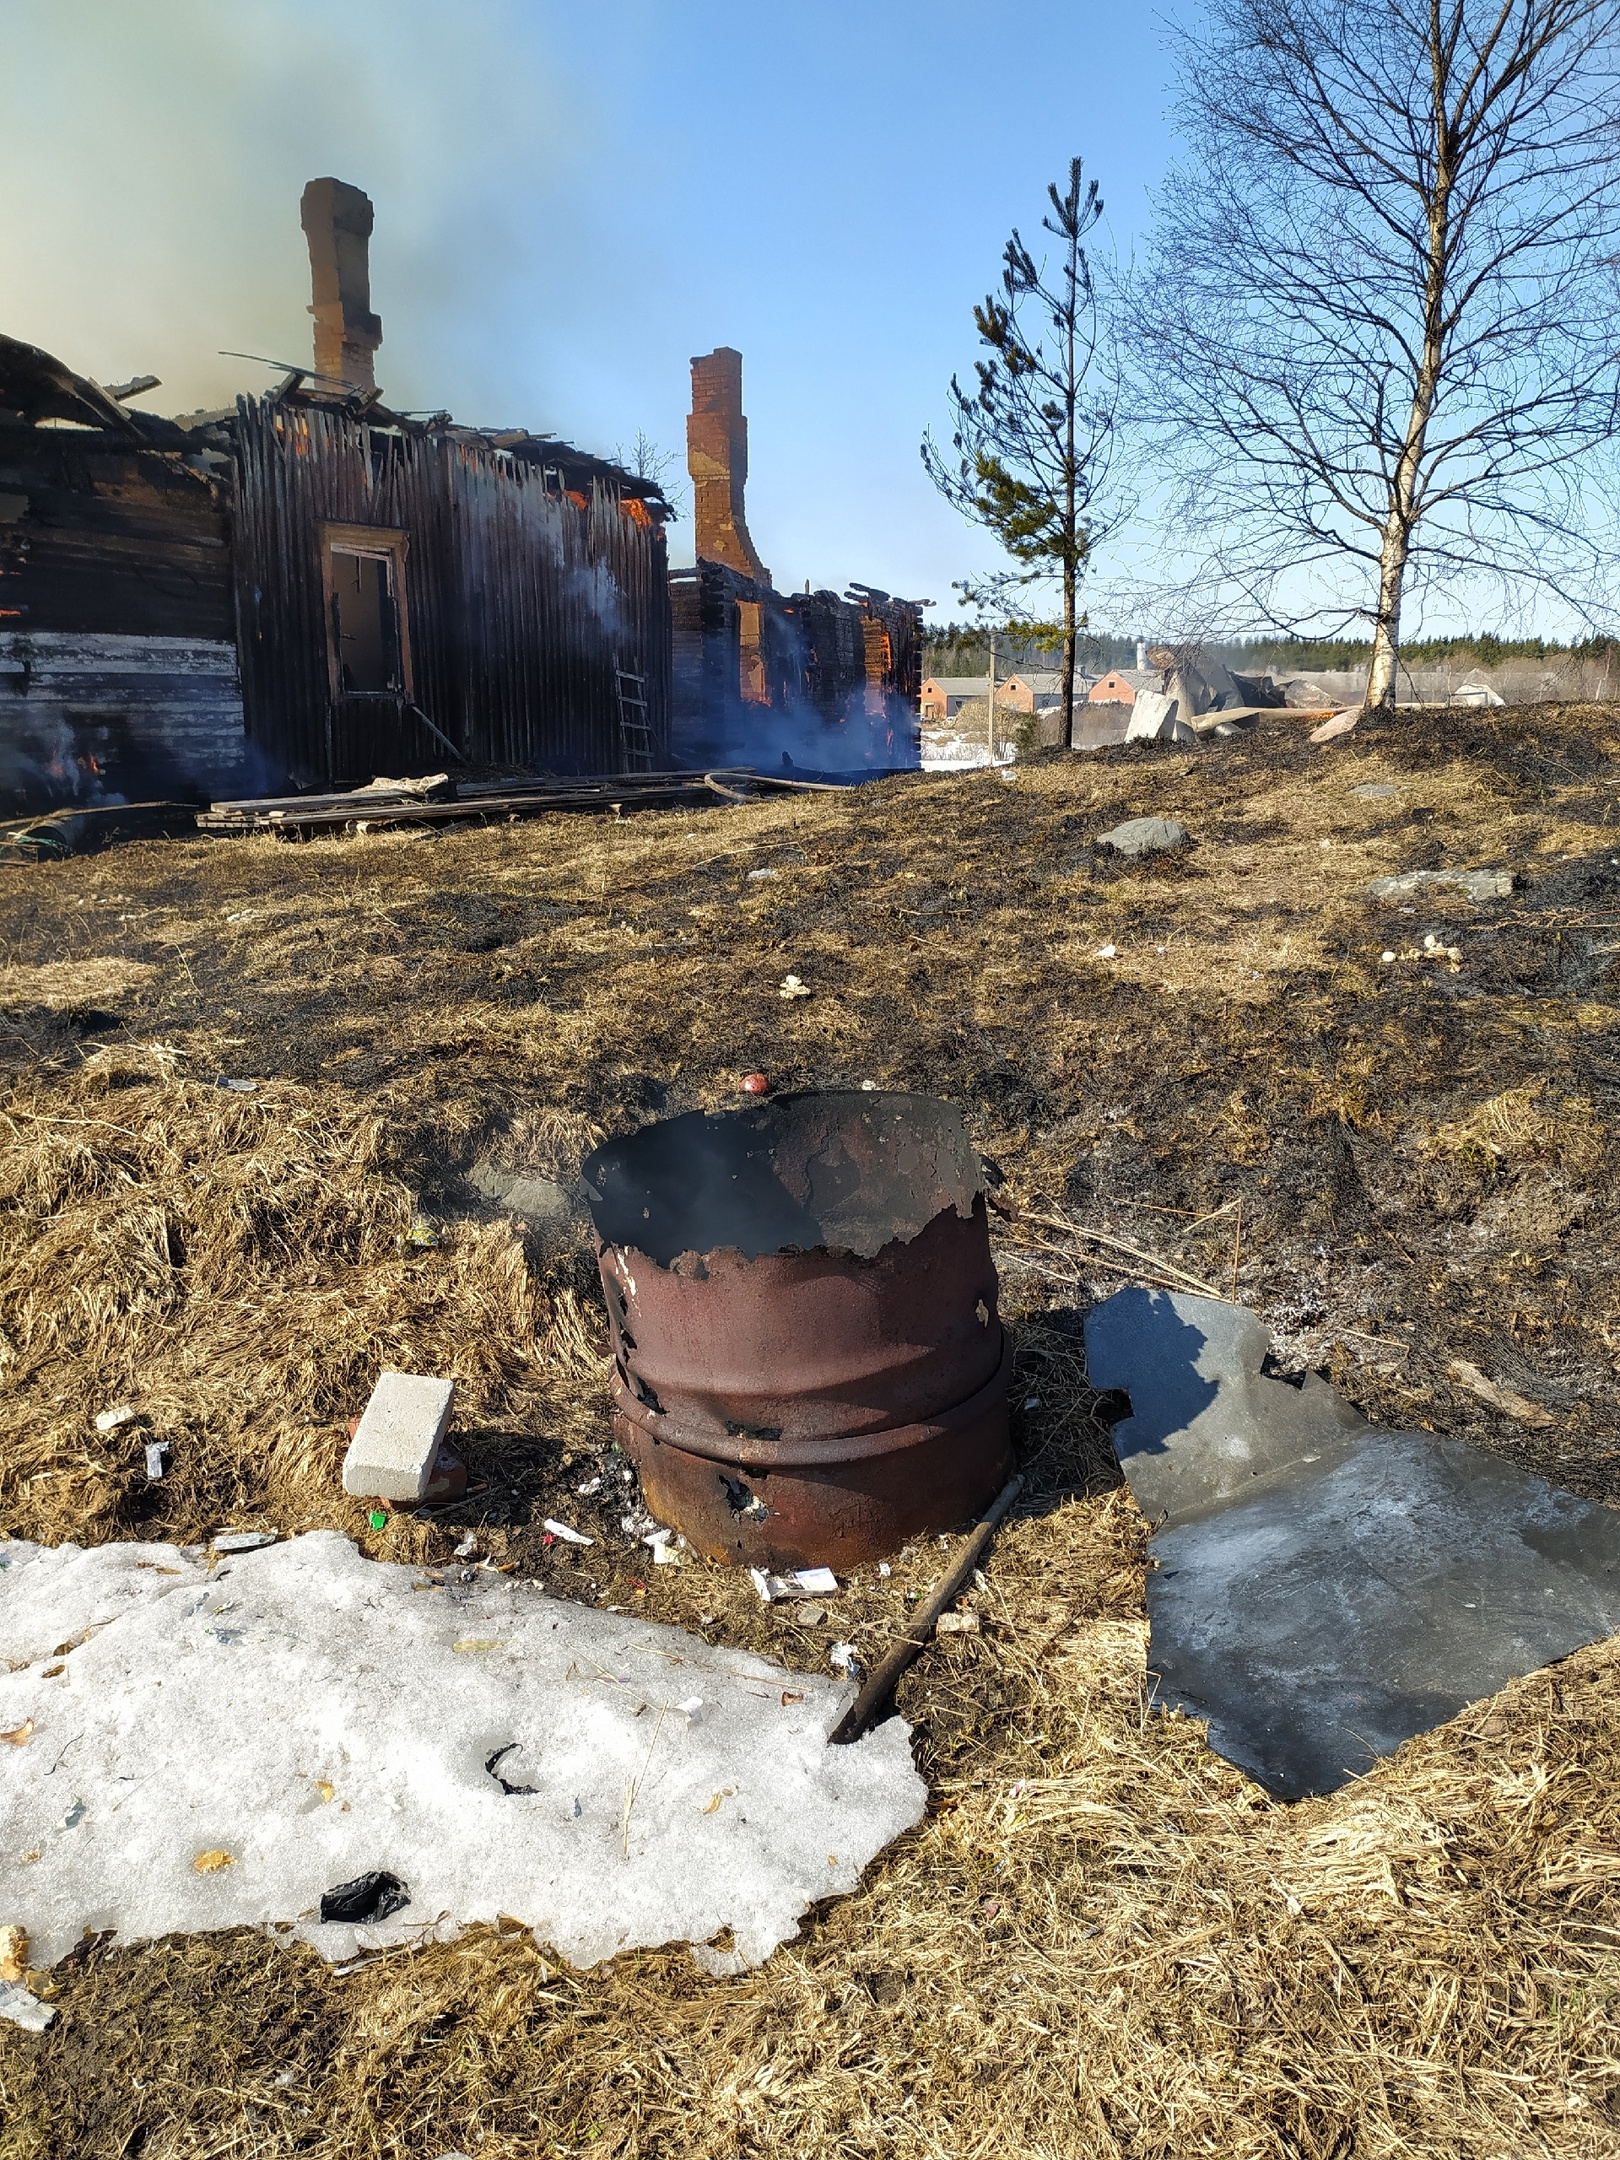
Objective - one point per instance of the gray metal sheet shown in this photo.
(1206, 1420)
(1322, 1589)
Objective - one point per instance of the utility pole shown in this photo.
(991, 722)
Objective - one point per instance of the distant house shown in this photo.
(1034, 690)
(1120, 685)
(943, 696)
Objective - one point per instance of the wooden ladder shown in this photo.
(635, 727)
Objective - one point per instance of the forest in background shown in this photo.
(963, 649)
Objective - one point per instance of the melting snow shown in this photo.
(218, 1746)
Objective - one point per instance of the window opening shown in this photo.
(367, 644)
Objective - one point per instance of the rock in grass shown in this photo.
(1475, 884)
(1144, 836)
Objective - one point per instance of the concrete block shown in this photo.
(1156, 718)
(392, 1454)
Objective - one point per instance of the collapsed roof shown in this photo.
(38, 389)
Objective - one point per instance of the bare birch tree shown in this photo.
(1029, 444)
(1379, 312)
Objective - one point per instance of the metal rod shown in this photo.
(895, 1661)
(438, 733)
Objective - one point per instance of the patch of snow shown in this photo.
(221, 1745)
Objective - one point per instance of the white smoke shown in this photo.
(152, 159)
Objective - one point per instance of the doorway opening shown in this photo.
(368, 646)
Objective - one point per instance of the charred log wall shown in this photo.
(744, 652)
(519, 598)
(117, 645)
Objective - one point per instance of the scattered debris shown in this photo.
(21, 2008)
(238, 1087)
(922, 1624)
(791, 987)
(1499, 1398)
(539, 1200)
(575, 1691)
(156, 1451)
(1413, 884)
(448, 1480)
(754, 1084)
(1323, 1589)
(1476, 693)
(1144, 836)
(1375, 790)
(1337, 724)
(1157, 718)
(110, 1420)
(239, 1541)
(13, 1953)
(958, 1623)
(814, 1582)
(396, 1443)
(566, 1533)
(367, 1899)
(210, 1863)
(1106, 952)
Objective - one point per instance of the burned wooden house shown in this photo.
(311, 588)
(759, 675)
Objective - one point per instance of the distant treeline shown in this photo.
(963, 649)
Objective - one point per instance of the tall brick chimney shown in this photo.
(717, 459)
(337, 222)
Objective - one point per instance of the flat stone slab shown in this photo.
(223, 1747)
(1144, 836)
(1414, 884)
(396, 1443)
(542, 1199)
(1323, 1589)
(1157, 718)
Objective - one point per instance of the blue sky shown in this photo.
(571, 201)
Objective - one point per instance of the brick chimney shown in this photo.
(717, 459)
(337, 223)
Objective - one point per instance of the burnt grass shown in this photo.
(1402, 1163)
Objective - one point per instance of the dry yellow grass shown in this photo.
(1102, 1940)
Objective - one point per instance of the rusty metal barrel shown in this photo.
(809, 1367)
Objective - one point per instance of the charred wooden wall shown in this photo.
(520, 597)
(740, 646)
(117, 641)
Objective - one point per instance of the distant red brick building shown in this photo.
(1119, 686)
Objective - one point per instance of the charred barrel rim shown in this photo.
(846, 1171)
